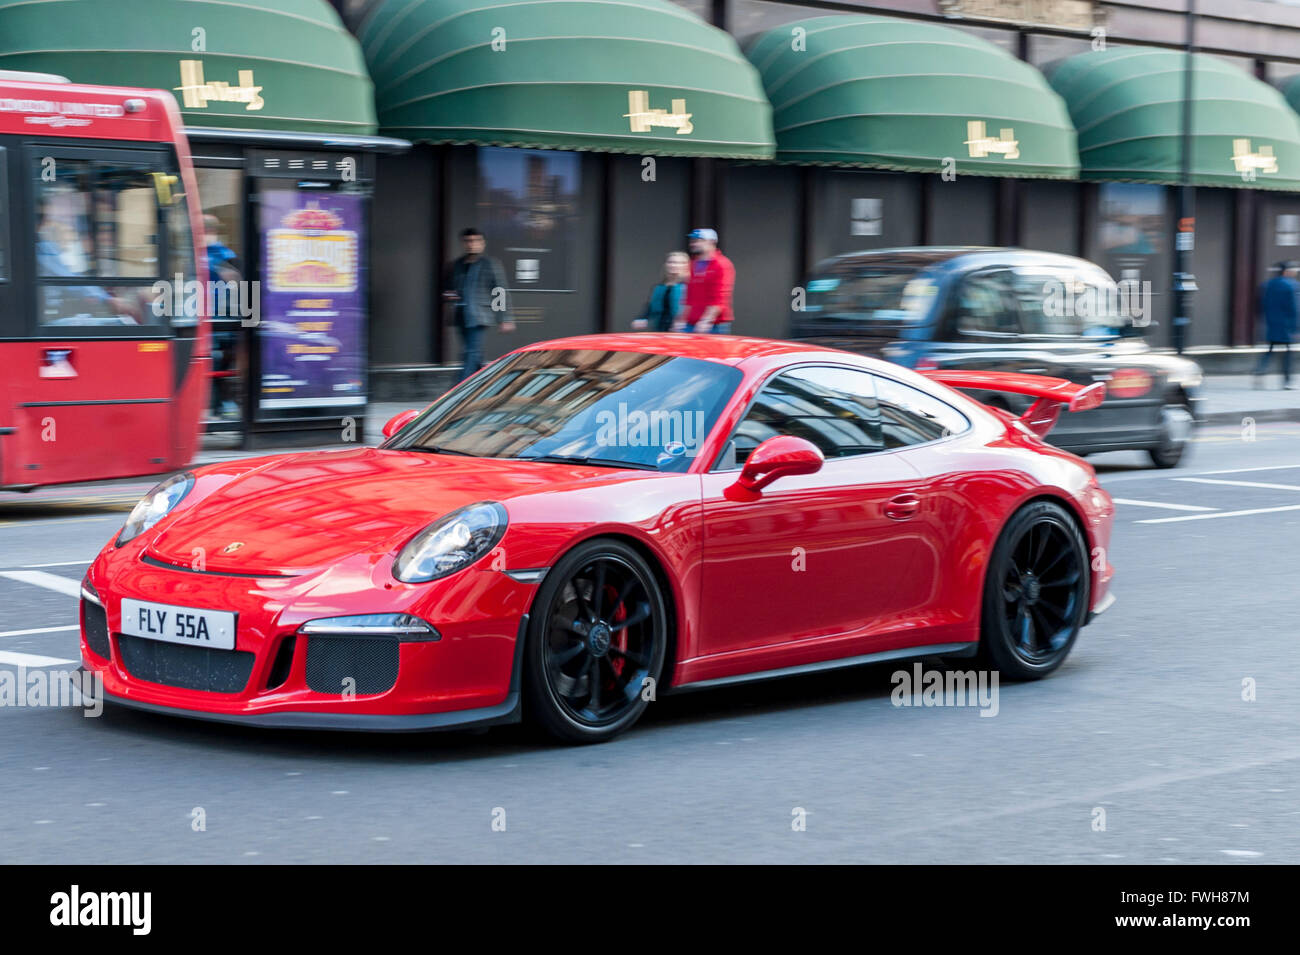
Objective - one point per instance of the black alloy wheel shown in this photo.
(597, 640)
(1036, 592)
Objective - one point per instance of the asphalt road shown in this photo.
(1146, 721)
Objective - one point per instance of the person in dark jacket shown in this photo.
(476, 285)
(666, 297)
(1278, 307)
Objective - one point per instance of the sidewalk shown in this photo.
(1230, 398)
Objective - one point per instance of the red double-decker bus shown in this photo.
(102, 375)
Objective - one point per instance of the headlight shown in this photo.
(155, 505)
(451, 544)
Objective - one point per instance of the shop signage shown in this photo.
(1249, 162)
(1060, 14)
(641, 117)
(981, 144)
(196, 92)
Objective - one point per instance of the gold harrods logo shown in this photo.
(1250, 162)
(981, 144)
(196, 92)
(642, 117)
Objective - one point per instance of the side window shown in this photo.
(1047, 300)
(909, 416)
(97, 242)
(834, 408)
(4, 216)
(982, 305)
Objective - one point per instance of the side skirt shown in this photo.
(903, 653)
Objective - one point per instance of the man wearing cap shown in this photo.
(707, 305)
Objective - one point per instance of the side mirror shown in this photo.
(777, 457)
(399, 421)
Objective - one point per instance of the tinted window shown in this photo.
(982, 305)
(1046, 298)
(910, 416)
(834, 408)
(627, 408)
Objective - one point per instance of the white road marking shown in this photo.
(62, 585)
(15, 659)
(1275, 487)
(62, 563)
(1172, 507)
(24, 633)
(1271, 467)
(1206, 517)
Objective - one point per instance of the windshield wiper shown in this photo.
(435, 449)
(585, 459)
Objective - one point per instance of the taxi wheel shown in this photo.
(1176, 424)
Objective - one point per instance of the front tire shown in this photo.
(1036, 593)
(597, 634)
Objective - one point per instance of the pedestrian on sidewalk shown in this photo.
(475, 284)
(1278, 307)
(666, 297)
(707, 308)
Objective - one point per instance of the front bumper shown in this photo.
(279, 677)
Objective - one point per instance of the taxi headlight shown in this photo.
(451, 543)
(155, 505)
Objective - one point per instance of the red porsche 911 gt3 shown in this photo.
(589, 522)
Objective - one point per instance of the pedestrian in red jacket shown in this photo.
(707, 306)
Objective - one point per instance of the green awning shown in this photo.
(1127, 104)
(270, 65)
(634, 76)
(887, 93)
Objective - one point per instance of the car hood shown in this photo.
(295, 513)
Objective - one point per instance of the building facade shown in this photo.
(613, 209)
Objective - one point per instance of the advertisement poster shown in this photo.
(528, 207)
(312, 329)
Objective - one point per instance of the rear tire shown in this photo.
(598, 632)
(1176, 423)
(1036, 593)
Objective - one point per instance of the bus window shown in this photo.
(4, 216)
(96, 221)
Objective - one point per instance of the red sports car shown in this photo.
(589, 522)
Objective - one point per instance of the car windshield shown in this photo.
(872, 293)
(611, 408)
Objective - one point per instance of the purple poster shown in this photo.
(312, 323)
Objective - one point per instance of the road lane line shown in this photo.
(40, 578)
(61, 563)
(25, 633)
(1172, 507)
(14, 659)
(1275, 487)
(1206, 517)
(1270, 467)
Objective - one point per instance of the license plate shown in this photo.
(214, 629)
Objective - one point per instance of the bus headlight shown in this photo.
(155, 505)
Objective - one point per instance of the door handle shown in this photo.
(904, 507)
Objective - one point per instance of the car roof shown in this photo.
(724, 349)
(953, 258)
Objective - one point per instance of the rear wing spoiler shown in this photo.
(1052, 394)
